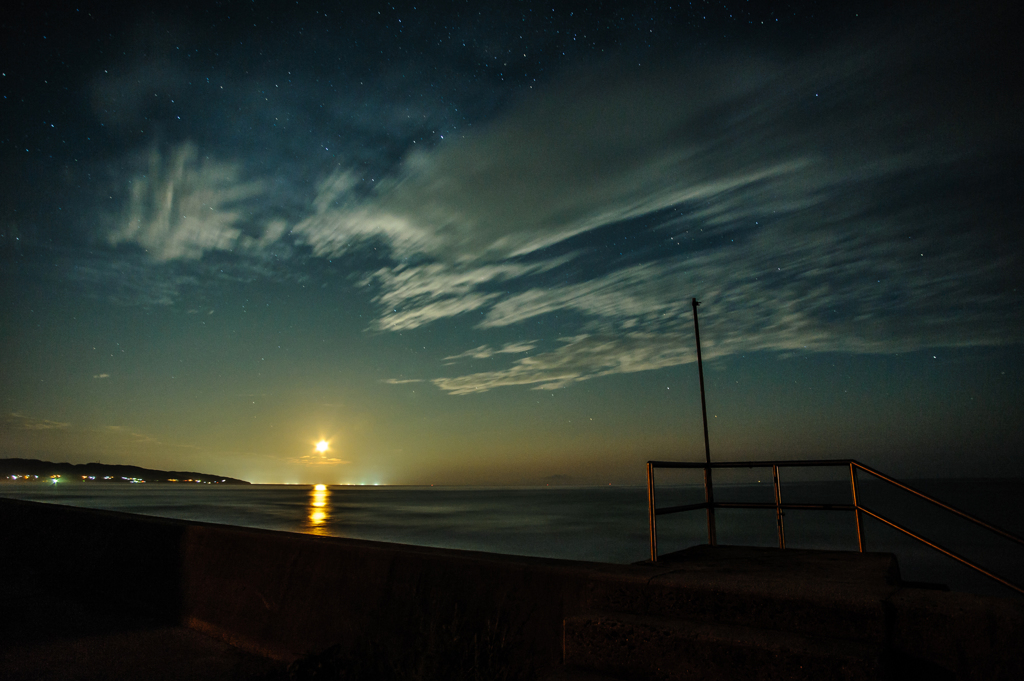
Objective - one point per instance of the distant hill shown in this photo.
(102, 472)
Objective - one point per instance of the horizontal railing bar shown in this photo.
(940, 549)
(788, 507)
(966, 516)
(751, 464)
(743, 504)
(680, 509)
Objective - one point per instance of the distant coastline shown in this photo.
(33, 470)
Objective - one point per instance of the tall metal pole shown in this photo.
(709, 494)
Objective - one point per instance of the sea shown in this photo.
(604, 524)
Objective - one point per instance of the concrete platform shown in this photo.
(727, 612)
(792, 590)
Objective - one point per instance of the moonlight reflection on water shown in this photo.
(319, 510)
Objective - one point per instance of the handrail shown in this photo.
(966, 516)
(857, 507)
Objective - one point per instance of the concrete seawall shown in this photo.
(283, 595)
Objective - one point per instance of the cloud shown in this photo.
(708, 131)
(402, 381)
(182, 205)
(578, 359)
(418, 315)
(847, 199)
(129, 279)
(340, 219)
(821, 203)
(858, 287)
(101, 376)
(647, 290)
(601, 148)
(726, 136)
(142, 438)
(316, 460)
(413, 296)
(814, 185)
(486, 351)
(21, 422)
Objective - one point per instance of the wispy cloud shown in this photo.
(341, 219)
(413, 296)
(808, 206)
(142, 438)
(401, 381)
(762, 295)
(182, 205)
(617, 143)
(129, 279)
(315, 460)
(101, 376)
(550, 169)
(578, 359)
(486, 351)
(22, 422)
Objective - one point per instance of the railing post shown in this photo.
(709, 499)
(709, 493)
(856, 508)
(778, 506)
(651, 512)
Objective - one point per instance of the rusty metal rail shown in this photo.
(858, 508)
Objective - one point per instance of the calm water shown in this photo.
(606, 524)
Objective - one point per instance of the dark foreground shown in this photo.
(47, 634)
(100, 595)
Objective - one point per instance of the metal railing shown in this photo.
(858, 508)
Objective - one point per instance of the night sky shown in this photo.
(459, 241)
